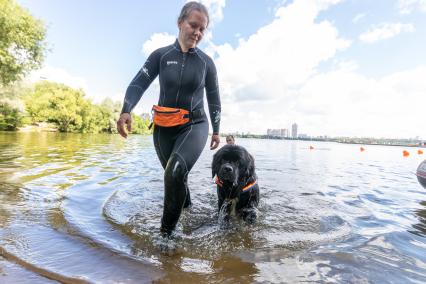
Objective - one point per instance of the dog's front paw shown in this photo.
(166, 244)
(249, 215)
(224, 217)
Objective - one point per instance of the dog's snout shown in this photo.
(228, 169)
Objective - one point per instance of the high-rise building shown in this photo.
(294, 130)
(277, 132)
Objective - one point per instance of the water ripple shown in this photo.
(88, 208)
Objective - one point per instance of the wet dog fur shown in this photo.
(235, 168)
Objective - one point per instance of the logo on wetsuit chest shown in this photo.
(172, 62)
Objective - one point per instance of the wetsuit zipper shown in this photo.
(180, 77)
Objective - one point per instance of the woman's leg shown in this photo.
(163, 142)
(187, 148)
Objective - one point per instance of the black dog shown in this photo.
(236, 182)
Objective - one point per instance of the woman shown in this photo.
(184, 71)
(230, 140)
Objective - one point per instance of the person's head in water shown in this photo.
(192, 24)
(230, 140)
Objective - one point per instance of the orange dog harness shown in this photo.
(245, 188)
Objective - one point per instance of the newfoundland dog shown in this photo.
(237, 188)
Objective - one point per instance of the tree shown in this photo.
(113, 110)
(54, 102)
(12, 114)
(72, 112)
(140, 125)
(95, 119)
(22, 44)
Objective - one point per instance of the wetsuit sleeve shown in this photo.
(213, 98)
(141, 82)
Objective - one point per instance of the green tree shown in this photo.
(54, 102)
(113, 109)
(12, 109)
(140, 125)
(10, 114)
(22, 44)
(72, 112)
(95, 119)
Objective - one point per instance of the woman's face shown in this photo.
(230, 141)
(191, 30)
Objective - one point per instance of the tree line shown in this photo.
(22, 49)
(66, 108)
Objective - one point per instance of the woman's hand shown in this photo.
(125, 118)
(215, 141)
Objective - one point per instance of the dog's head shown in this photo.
(234, 166)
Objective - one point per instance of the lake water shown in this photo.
(87, 208)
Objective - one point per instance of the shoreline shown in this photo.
(48, 127)
(38, 127)
(378, 144)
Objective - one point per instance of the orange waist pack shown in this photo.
(168, 116)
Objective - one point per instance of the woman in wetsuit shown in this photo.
(184, 72)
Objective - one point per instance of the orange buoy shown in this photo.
(405, 153)
(311, 147)
(362, 149)
(420, 152)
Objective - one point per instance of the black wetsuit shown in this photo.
(183, 77)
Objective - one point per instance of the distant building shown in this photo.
(303, 135)
(294, 130)
(277, 132)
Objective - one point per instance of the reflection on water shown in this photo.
(421, 226)
(87, 208)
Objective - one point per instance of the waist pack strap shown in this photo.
(198, 113)
(169, 117)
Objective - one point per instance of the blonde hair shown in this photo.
(191, 6)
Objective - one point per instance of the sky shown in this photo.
(335, 67)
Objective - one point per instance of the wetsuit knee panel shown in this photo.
(176, 170)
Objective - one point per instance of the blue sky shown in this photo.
(335, 67)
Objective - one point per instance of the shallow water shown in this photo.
(87, 208)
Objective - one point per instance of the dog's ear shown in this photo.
(215, 164)
(250, 165)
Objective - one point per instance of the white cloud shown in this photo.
(267, 66)
(325, 4)
(58, 75)
(408, 6)
(156, 41)
(215, 8)
(271, 80)
(281, 54)
(341, 102)
(348, 103)
(385, 31)
(358, 18)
